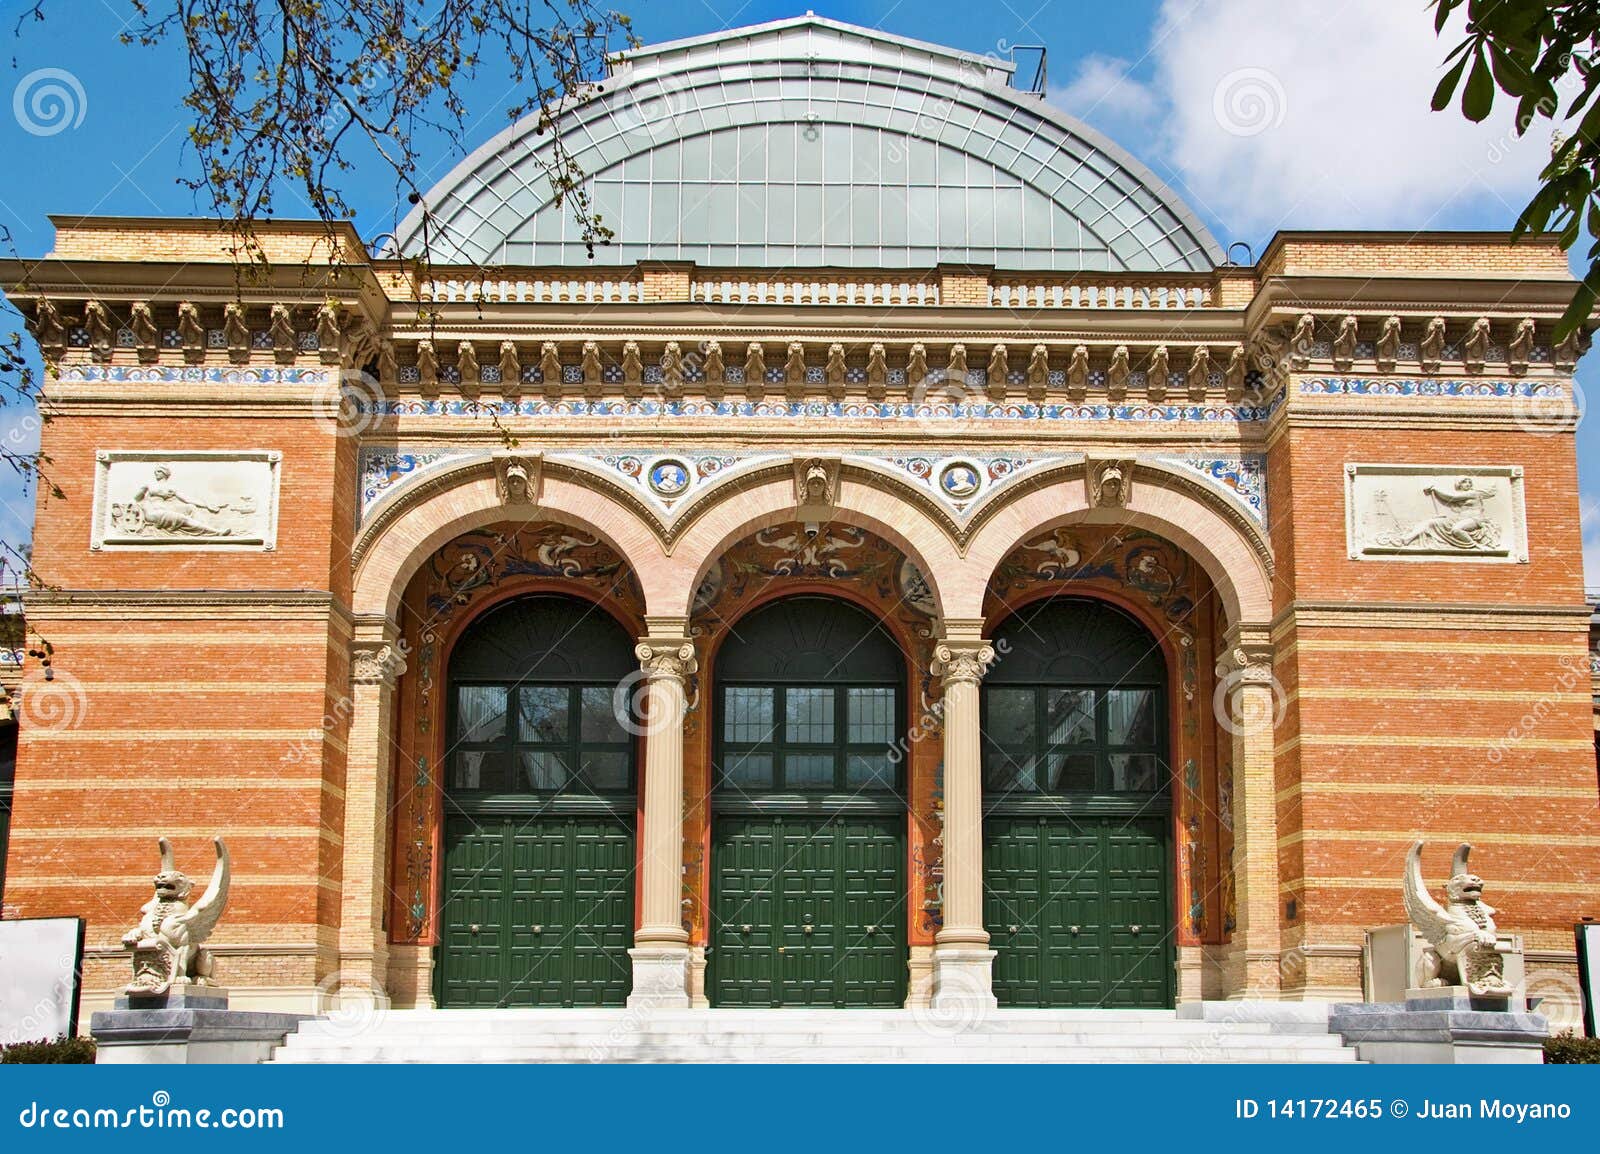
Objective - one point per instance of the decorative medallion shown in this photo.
(669, 477)
(960, 480)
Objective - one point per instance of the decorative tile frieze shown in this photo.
(960, 482)
(384, 469)
(1435, 512)
(826, 410)
(185, 500)
(194, 374)
(1363, 387)
(1243, 476)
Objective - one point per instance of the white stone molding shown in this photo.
(186, 499)
(1435, 512)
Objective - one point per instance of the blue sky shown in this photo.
(1262, 114)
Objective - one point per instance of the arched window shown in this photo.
(1076, 704)
(534, 705)
(810, 701)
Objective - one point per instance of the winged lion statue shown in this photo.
(167, 942)
(1463, 946)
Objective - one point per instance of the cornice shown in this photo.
(1505, 299)
(1446, 615)
(42, 605)
(689, 321)
(168, 282)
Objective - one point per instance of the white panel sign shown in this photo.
(40, 961)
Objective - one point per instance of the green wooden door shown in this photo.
(808, 911)
(537, 911)
(1079, 911)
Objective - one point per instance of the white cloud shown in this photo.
(1300, 114)
(1104, 93)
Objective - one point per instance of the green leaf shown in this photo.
(1582, 305)
(1477, 98)
(1447, 85)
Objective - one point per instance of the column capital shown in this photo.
(375, 662)
(1246, 654)
(667, 658)
(962, 660)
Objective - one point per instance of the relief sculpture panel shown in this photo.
(185, 500)
(1435, 513)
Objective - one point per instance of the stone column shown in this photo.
(375, 667)
(962, 959)
(661, 946)
(1247, 700)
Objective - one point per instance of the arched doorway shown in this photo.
(540, 788)
(808, 893)
(1077, 798)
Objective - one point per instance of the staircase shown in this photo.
(798, 1035)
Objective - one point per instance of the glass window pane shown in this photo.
(1136, 772)
(1071, 716)
(600, 721)
(808, 215)
(1131, 717)
(544, 713)
(808, 715)
(1072, 771)
(870, 716)
(1009, 738)
(808, 771)
(780, 153)
(749, 714)
(480, 769)
(808, 157)
(1009, 769)
(480, 712)
(543, 770)
(875, 772)
(603, 771)
(747, 770)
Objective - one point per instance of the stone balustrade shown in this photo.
(1060, 293)
(818, 291)
(539, 290)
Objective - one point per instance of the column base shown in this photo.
(962, 979)
(660, 978)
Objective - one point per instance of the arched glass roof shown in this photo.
(811, 143)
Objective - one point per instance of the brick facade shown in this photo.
(203, 691)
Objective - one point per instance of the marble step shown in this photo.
(813, 1055)
(310, 1037)
(826, 1035)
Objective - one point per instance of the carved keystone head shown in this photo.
(518, 477)
(1110, 482)
(816, 487)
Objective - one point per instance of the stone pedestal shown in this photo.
(190, 1025)
(660, 978)
(1444, 1025)
(962, 979)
